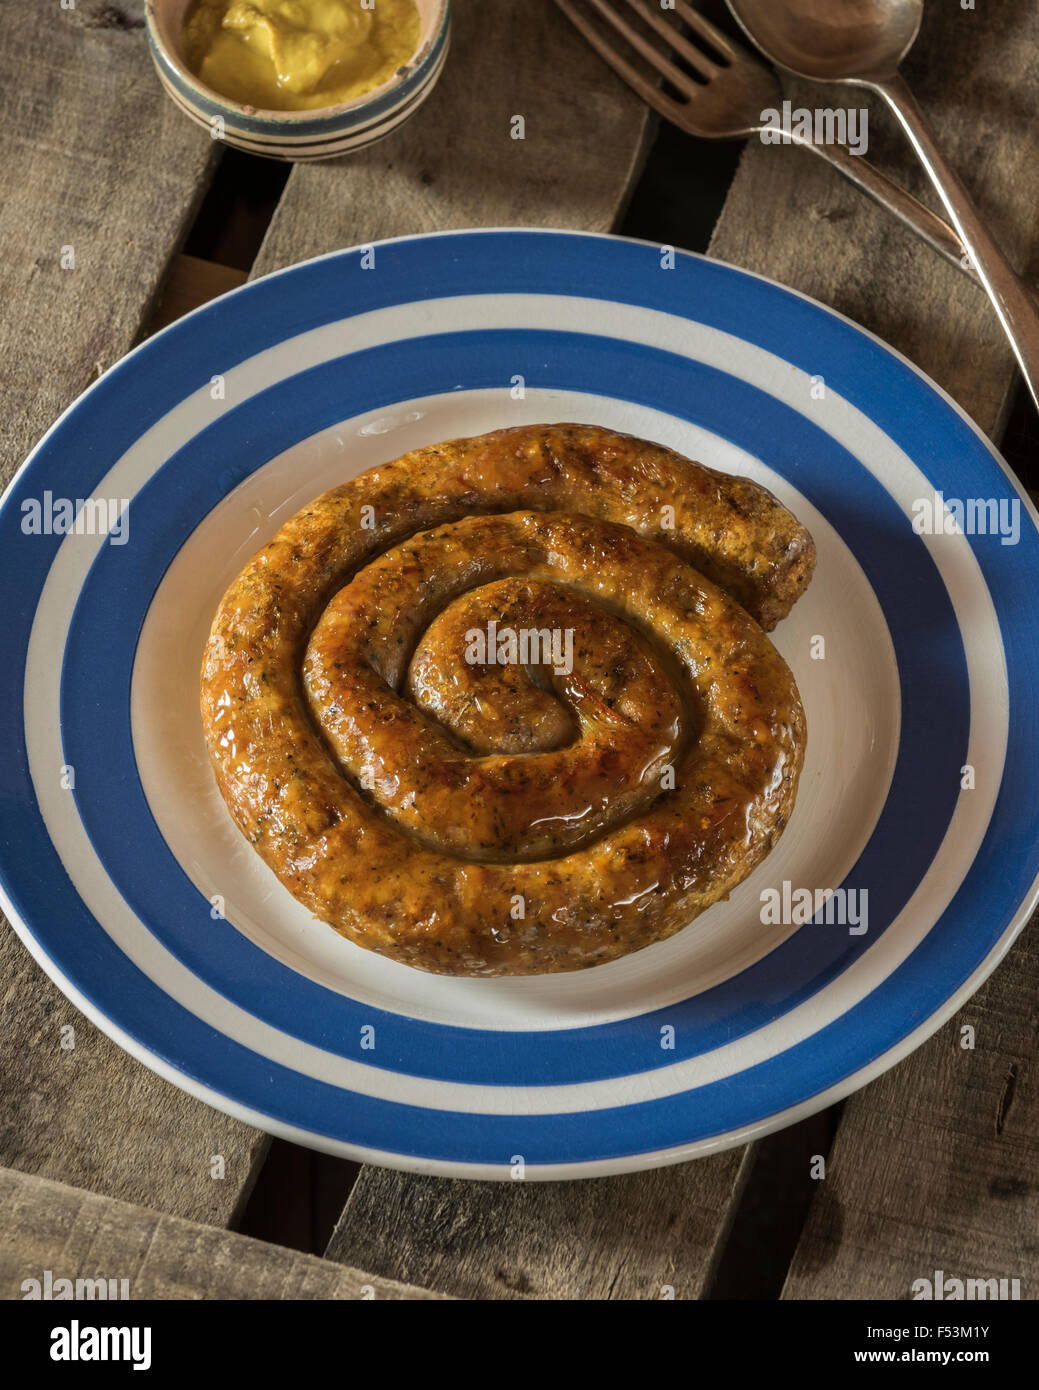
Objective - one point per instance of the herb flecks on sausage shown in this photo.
(479, 818)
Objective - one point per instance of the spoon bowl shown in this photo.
(833, 40)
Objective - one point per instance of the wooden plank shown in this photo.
(91, 1114)
(95, 160)
(48, 1226)
(934, 1165)
(642, 1236)
(455, 164)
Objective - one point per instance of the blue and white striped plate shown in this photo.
(915, 650)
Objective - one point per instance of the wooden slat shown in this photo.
(644, 1236)
(78, 1235)
(456, 164)
(94, 158)
(933, 1166)
(92, 1115)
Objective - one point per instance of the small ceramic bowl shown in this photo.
(300, 135)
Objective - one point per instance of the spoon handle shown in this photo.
(1011, 299)
(909, 210)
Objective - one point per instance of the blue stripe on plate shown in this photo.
(942, 444)
(110, 613)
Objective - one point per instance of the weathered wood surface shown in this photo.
(644, 1236)
(935, 1165)
(78, 1235)
(457, 165)
(94, 159)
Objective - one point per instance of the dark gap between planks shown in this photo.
(771, 1211)
(1020, 445)
(235, 213)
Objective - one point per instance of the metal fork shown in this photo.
(729, 101)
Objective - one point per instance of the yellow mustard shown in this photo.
(295, 55)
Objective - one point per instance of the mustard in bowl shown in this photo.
(299, 79)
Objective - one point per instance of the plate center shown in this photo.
(848, 683)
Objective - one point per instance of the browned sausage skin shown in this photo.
(472, 817)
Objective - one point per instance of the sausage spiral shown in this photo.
(505, 705)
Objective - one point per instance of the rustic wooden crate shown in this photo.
(104, 1164)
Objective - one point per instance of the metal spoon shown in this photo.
(862, 43)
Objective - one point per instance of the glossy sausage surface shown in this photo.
(401, 726)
